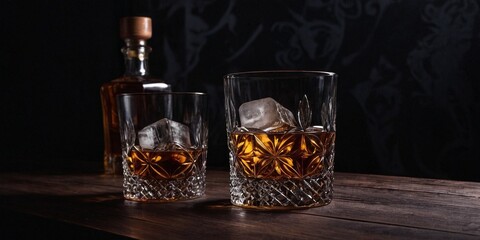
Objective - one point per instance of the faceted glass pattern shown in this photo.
(282, 170)
(282, 164)
(138, 188)
(164, 145)
(281, 156)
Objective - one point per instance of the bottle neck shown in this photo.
(135, 55)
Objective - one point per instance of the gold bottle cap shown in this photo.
(136, 28)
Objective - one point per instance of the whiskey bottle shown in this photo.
(135, 31)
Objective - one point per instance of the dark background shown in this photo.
(408, 90)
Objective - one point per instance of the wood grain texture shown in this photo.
(364, 207)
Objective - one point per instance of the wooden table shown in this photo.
(364, 207)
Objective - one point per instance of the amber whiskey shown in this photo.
(292, 155)
(135, 31)
(165, 165)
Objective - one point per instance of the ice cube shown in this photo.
(164, 133)
(266, 114)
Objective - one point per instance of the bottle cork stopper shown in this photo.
(136, 28)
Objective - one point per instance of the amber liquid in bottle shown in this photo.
(112, 146)
(135, 31)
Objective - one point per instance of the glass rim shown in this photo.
(161, 93)
(266, 72)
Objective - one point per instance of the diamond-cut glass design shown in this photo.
(292, 169)
(152, 181)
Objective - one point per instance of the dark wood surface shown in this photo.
(364, 207)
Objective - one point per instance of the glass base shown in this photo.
(158, 190)
(281, 194)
